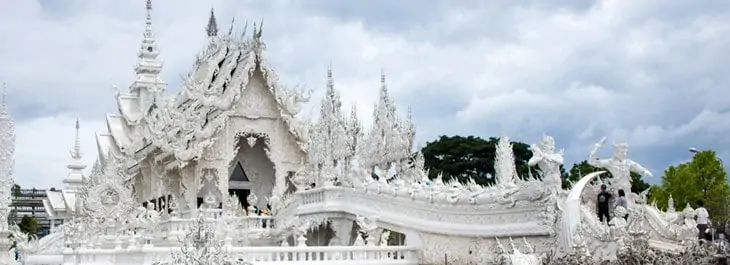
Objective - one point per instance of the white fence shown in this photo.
(335, 255)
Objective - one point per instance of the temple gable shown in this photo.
(257, 101)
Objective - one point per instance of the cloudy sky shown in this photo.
(650, 72)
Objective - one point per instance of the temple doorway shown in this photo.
(251, 171)
(239, 184)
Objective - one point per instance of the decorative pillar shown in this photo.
(7, 164)
(343, 230)
(221, 175)
(189, 190)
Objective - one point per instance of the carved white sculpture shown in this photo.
(201, 246)
(619, 165)
(504, 163)
(548, 160)
(7, 159)
(618, 223)
(106, 197)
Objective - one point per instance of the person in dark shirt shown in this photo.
(602, 203)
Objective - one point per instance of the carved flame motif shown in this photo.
(106, 195)
(109, 197)
(251, 141)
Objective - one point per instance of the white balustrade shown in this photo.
(312, 196)
(351, 255)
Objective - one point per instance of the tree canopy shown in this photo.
(582, 168)
(702, 178)
(464, 157)
(16, 190)
(29, 225)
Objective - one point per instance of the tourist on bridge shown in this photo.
(602, 204)
(703, 219)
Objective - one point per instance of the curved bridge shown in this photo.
(408, 215)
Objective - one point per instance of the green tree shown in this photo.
(471, 156)
(703, 178)
(16, 190)
(582, 168)
(29, 225)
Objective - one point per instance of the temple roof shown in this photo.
(184, 126)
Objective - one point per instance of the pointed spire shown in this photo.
(148, 84)
(212, 28)
(330, 81)
(383, 88)
(3, 91)
(148, 66)
(148, 6)
(74, 179)
(230, 30)
(76, 152)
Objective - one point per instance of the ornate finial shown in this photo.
(260, 31)
(3, 91)
(212, 28)
(382, 76)
(76, 152)
(148, 7)
(330, 81)
(230, 30)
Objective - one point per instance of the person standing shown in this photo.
(623, 203)
(703, 219)
(602, 204)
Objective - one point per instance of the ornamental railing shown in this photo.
(346, 255)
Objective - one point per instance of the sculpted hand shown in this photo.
(535, 150)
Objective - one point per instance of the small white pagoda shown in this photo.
(60, 204)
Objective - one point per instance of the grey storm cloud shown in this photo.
(651, 72)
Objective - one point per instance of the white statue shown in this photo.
(384, 238)
(688, 231)
(252, 200)
(618, 222)
(619, 165)
(549, 161)
(504, 164)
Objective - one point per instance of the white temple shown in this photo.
(225, 168)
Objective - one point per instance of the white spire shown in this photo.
(7, 158)
(148, 67)
(75, 178)
(3, 88)
(212, 28)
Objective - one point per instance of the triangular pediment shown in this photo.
(239, 174)
(257, 99)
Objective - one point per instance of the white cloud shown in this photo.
(649, 72)
(43, 148)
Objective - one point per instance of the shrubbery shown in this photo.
(639, 253)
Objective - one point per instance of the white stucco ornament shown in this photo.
(7, 158)
(106, 196)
